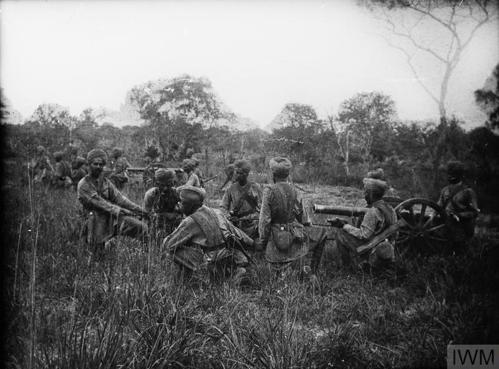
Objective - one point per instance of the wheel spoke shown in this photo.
(429, 221)
(435, 238)
(434, 228)
(423, 210)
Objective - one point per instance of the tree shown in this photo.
(177, 110)
(364, 120)
(412, 23)
(488, 99)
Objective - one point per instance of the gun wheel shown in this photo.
(423, 229)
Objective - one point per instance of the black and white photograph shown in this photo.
(249, 184)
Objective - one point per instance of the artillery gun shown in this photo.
(420, 226)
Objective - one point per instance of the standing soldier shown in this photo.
(42, 169)
(379, 217)
(198, 171)
(188, 166)
(62, 173)
(119, 175)
(205, 234)
(109, 213)
(282, 222)
(241, 201)
(460, 203)
(161, 202)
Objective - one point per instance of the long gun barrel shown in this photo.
(339, 210)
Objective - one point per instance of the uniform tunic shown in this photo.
(205, 231)
(119, 175)
(243, 202)
(103, 205)
(193, 180)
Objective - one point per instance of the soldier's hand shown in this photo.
(337, 222)
(126, 212)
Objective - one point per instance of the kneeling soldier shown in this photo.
(161, 202)
(379, 217)
(109, 212)
(205, 234)
(242, 200)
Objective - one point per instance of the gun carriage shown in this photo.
(420, 226)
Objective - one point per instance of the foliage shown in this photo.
(488, 99)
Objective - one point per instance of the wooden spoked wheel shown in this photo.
(423, 228)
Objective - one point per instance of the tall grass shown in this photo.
(127, 311)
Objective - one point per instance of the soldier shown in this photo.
(460, 204)
(198, 171)
(79, 170)
(379, 217)
(205, 234)
(241, 201)
(42, 169)
(161, 202)
(109, 213)
(62, 172)
(119, 175)
(188, 166)
(282, 222)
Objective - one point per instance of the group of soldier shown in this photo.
(250, 223)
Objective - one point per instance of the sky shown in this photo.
(258, 55)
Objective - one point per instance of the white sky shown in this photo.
(258, 55)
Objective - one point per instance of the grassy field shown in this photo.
(66, 311)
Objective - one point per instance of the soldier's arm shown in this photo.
(90, 198)
(265, 217)
(367, 228)
(121, 200)
(149, 199)
(181, 236)
(226, 201)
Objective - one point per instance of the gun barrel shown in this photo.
(339, 210)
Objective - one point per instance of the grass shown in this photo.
(127, 311)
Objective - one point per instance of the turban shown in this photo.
(455, 169)
(117, 152)
(191, 194)
(163, 175)
(58, 155)
(374, 184)
(376, 174)
(188, 164)
(280, 166)
(96, 153)
(243, 164)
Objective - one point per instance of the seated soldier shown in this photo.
(78, 170)
(62, 172)
(109, 213)
(188, 166)
(119, 166)
(379, 217)
(205, 234)
(282, 222)
(161, 202)
(460, 204)
(41, 168)
(241, 201)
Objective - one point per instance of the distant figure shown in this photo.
(379, 217)
(188, 166)
(242, 200)
(205, 232)
(119, 166)
(161, 202)
(148, 175)
(41, 167)
(198, 171)
(108, 212)
(460, 204)
(79, 170)
(282, 224)
(62, 172)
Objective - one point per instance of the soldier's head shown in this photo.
(280, 168)
(455, 171)
(377, 174)
(58, 156)
(241, 171)
(116, 152)
(164, 178)
(191, 198)
(188, 165)
(73, 152)
(374, 189)
(96, 159)
(79, 162)
(40, 150)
